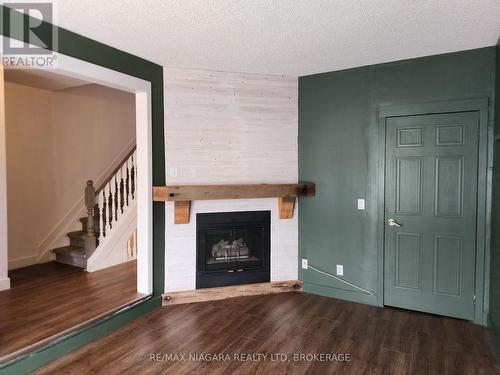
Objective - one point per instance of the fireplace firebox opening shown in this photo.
(232, 248)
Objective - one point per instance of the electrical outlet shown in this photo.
(361, 204)
(340, 270)
(305, 264)
(173, 171)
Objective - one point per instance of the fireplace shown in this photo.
(232, 248)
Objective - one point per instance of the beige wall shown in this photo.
(56, 140)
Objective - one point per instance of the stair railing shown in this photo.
(107, 203)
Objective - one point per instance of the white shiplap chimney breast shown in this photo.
(227, 128)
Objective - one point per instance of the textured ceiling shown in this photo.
(291, 37)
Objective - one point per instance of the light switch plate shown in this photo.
(173, 171)
(361, 204)
(340, 270)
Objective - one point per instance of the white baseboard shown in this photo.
(23, 262)
(5, 283)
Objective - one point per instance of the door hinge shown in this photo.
(474, 299)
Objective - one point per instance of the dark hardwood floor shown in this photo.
(379, 341)
(46, 300)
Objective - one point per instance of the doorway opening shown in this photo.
(92, 257)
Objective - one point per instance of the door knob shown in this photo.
(393, 223)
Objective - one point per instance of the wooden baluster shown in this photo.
(100, 206)
(105, 211)
(113, 191)
(125, 184)
(132, 174)
(135, 172)
(119, 178)
(117, 196)
(110, 204)
(129, 179)
(89, 204)
(122, 189)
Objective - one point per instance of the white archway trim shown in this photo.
(76, 68)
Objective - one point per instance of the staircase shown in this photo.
(105, 206)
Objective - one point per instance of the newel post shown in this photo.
(90, 204)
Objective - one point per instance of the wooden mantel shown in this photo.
(182, 195)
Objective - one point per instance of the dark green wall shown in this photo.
(338, 150)
(495, 248)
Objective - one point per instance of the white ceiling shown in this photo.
(290, 37)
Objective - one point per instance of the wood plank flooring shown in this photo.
(379, 341)
(45, 300)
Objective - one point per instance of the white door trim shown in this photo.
(70, 66)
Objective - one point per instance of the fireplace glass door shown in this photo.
(232, 248)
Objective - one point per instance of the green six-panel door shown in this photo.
(430, 212)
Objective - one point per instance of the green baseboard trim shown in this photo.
(495, 336)
(67, 344)
(344, 294)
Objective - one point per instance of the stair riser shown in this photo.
(80, 241)
(84, 224)
(72, 260)
(77, 241)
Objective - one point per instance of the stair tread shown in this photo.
(70, 250)
(84, 219)
(76, 233)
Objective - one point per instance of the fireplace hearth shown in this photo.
(232, 248)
